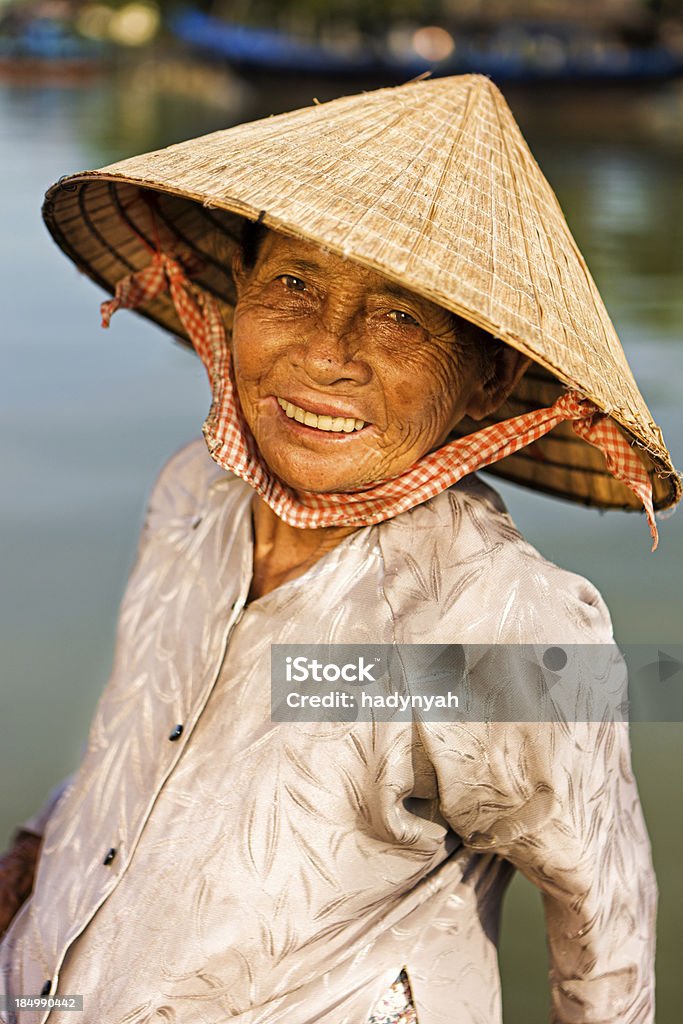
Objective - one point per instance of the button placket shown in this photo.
(237, 607)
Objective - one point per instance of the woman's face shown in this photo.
(344, 378)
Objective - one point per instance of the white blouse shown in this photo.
(206, 863)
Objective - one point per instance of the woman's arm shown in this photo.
(17, 871)
(591, 860)
(18, 864)
(559, 801)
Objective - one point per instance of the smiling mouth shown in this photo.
(330, 424)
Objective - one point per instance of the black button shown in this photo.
(45, 990)
(109, 856)
(175, 733)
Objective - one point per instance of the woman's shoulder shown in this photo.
(462, 566)
(185, 480)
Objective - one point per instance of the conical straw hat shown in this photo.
(433, 185)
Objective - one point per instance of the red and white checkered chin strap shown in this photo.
(233, 447)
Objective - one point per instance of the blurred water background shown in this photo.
(89, 417)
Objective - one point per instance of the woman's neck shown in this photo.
(283, 552)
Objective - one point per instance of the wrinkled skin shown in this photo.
(337, 339)
(17, 869)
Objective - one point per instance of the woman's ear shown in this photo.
(507, 369)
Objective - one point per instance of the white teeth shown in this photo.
(332, 424)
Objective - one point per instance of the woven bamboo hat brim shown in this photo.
(433, 185)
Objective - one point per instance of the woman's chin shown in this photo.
(304, 484)
(312, 479)
(310, 473)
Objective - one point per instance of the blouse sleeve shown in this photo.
(558, 800)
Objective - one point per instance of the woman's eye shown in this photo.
(292, 283)
(401, 317)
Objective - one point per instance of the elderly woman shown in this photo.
(374, 286)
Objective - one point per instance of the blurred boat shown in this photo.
(252, 50)
(519, 52)
(39, 48)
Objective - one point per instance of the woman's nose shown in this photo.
(333, 353)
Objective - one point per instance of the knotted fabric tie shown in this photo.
(232, 445)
